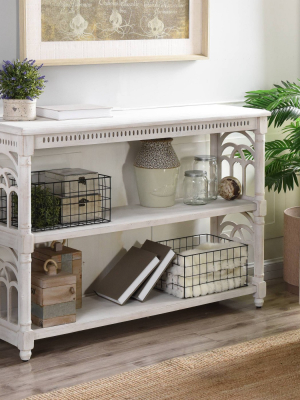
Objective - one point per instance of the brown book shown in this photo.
(165, 255)
(127, 275)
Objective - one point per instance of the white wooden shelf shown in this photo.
(134, 217)
(96, 311)
(20, 140)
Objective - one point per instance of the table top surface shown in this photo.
(131, 118)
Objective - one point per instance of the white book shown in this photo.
(165, 255)
(81, 111)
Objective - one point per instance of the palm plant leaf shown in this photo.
(282, 101)
(293, 135)
(274, 148)
(281, 172)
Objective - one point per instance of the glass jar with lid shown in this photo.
(195, 187)
(209, 164)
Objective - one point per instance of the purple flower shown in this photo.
(24, 72)
(29, 98)
(39, 88)
(7, 62)
(42, 77)
(32, 62)
(40, 66)
(24, 61)
(13, 78)
(19, 87)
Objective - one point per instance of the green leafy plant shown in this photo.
(45, 207)
(21, 80)
(282, 156)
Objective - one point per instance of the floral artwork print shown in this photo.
(97, 20)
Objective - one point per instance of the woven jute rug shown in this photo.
(262, 369)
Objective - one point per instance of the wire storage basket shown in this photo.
(51, 208)
(204, 264)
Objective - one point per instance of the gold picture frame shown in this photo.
(30, 41)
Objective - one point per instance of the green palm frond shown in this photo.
(281, 172)
(285, 180)
(293, 135)
(282, 101)
(273, 149)
(276, 147)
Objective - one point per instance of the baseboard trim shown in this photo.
(273, 268)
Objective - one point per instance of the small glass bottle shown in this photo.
(195, 188)
(209, 164)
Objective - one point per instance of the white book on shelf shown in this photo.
(165, 255)
(77, 111)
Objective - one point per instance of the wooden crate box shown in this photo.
(68, 260)
(80, 208)
(53, 297)
(72, 181)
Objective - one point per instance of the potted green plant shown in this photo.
(21, 83)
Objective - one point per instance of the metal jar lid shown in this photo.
(195, 173)
(206, 158)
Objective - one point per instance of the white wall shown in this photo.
(236, 64)
(253, 43)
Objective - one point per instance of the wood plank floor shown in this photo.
(81, 357)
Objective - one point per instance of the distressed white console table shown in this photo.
(19, 140)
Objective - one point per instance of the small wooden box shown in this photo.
(68, 260)
(72, 181)
(80, 209)
(53, 299)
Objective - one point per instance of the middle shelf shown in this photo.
(135, 217)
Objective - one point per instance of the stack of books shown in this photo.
(136, 274)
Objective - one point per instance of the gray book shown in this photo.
(165, 255)
(127, 275)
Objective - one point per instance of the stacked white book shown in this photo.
(74, 111)
(209, 268)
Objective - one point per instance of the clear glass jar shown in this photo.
(210, 165)
(195, 188)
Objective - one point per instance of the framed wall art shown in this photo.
(70, 32)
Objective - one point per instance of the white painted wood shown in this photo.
(260, 213)
(8, 237)
(25, 336)
(131, 119)
(97, 311)
(18, 141)
(135, 217)
(9, 335)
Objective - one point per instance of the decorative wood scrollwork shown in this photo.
(238, 230)
(9, 287)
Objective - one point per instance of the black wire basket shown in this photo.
(218, 265)
(88, 201)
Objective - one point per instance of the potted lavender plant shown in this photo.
(21, 83)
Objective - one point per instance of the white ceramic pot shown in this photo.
(157, 171)
(19, 110)
(157, 187)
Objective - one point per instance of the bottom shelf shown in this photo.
(96, 311)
